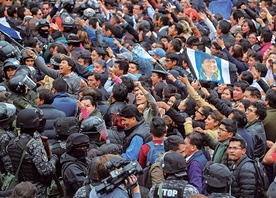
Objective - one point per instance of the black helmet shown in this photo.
(73, 38)
(25, 70)
(56, 60)
(68, 22)
(92, 125)
(66, 126)
(76, 140)
(41, 23)
(10, 62)
(18, 83)
(24, 55)
(88, 12)
(68, 3)
(28, 118)
(174, 163)
(7, 50)
(7, 114)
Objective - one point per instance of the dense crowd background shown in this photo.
(89, 86)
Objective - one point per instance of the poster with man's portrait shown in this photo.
(209, 68)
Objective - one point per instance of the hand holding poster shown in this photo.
(209, 68)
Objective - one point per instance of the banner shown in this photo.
(7, 30)
(209, 68)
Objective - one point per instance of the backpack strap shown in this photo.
(22, 158)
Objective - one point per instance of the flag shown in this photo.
(7, 30)
(211, 68)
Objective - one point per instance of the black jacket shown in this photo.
(244, 184)
(221, 106)
(256, 129)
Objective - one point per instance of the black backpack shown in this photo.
(262, 178)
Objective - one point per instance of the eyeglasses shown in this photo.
(234, 148)
(197, 111)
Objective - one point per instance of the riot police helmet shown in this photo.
(7, 114)
(92, 125)
(19, 83)
(65, 126)
(7, 50)
(87, 13)
(76, 140)
(10, 63)
(28, 118)
(41, 23)
(174, 163)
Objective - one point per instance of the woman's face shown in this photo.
(171, 101)
(238, 37)
(226, 94)
(140, 98)
(87, 104)
(210, 123)
(245, 28)
(263, 14)
(252, 39)
(199, 114)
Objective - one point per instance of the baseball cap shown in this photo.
(109, 149)
(217, 175)
(126, 55)
(158, 52)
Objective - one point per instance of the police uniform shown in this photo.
(24, 101)
(174, 165)
(5, 162)
(35, 167)
(173, 188)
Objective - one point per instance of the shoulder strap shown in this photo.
(22, 157)
(160, 190)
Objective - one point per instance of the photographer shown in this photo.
(120, 191)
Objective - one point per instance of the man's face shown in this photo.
(45, 9)
(92, 82)
(237, 93)
(155, 79)
(251, 62)
(98, 68)
(10, 72)
(210, 66)
(181, 149)
(235, 152)
(171, 30)
(106, 33)
(189, 149)
(38, 100)
(64, 68)
(128, 122)
(250, 114)
(29, 62)
(95, 56)
(169, 64)
(247, 96)
(136, 9)
(117, 70)
(223, 134)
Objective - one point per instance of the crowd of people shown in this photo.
(100, 98)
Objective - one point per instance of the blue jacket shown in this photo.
(65, 103)
(195, 167)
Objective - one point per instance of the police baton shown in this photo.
(49, 153)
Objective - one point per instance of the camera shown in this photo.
(122, 169)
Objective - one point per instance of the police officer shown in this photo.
(174, 167)
(36, 167)
(63, 128)
(93, 127)
(74, 163)
(20, 86)
(9, 68)
(44, 39)
(7, 116)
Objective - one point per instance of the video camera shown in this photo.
(118, 176)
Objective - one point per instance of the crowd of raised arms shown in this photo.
(137, 98)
